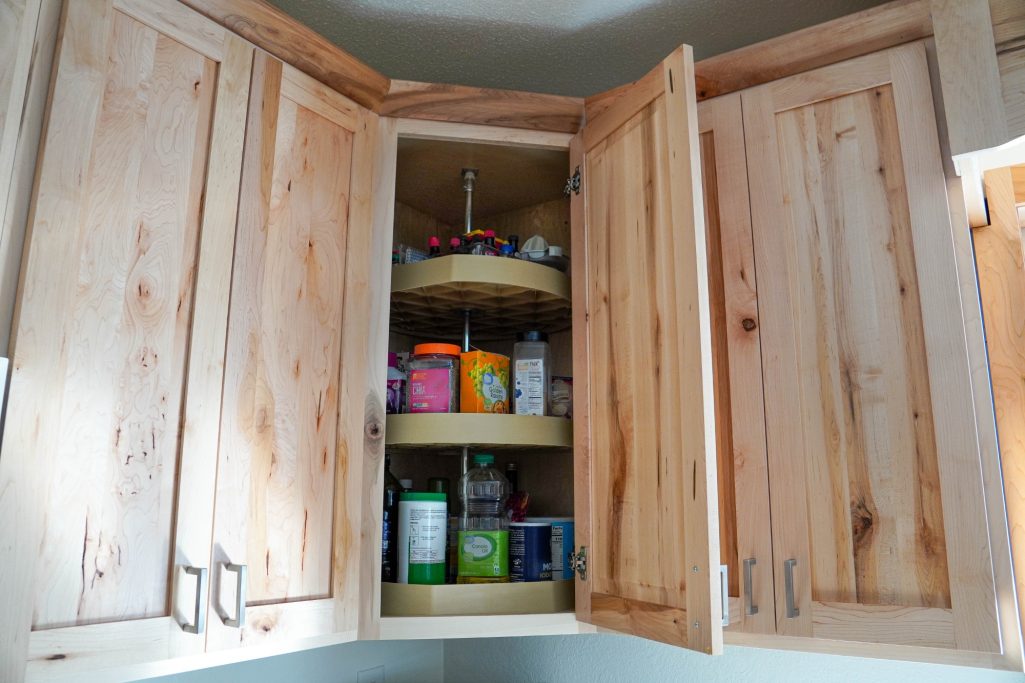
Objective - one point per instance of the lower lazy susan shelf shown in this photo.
(484, 430)
(538, 597)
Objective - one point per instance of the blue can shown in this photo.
(562, 545)
(530, 551)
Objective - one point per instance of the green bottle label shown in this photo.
(483, 553)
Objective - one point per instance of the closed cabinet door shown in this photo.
(108, 466)
(879, 523)
(287, 540)
(745, 535)
(645, 489)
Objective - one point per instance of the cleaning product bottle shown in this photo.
(483, 527)
(390, 521)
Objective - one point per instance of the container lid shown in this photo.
(422, 496)
(441, 349)
(549, 520)
(532, 336)
(483, 458)
(433, 241)
(530, 523)
(393, 359)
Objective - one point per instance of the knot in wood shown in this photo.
(748, 324)
(374, 429)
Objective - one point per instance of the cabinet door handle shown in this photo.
(198, 624)
(241, 575)
(750, 608)
(788, 581)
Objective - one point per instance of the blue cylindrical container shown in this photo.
(562, 545)
(530, 551)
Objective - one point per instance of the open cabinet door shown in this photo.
(645, 489)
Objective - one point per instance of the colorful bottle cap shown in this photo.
(483, 459)
(443, 349)
(433, 242)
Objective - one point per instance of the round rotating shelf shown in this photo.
(477, 430)
(503, 294)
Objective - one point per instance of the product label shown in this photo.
(396, 389)
(427, 535)
(557, 550)
(483, 553)
(530, 387)
(430, 391)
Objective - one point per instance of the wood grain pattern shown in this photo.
(486, 106)
(106, 322)
(892, 624)
(972, 100)
(549, 219)
(282, 36)
(652, 452)
(1000, 260)
(413, 228)
(1009, 35)
(745, 532)
(849, 332)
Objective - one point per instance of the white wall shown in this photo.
(601, 658)
(410, 661)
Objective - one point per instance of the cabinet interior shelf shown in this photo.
(503, 294)
(538, 597)
(450, 430)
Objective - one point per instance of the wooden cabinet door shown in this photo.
(745, 536)
(287, 532)
(878, 508)
(108, 465)
(645, 490)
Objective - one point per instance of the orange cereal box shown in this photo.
(483, 382)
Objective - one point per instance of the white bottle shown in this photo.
(532, 374)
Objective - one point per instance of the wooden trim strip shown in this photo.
(891, 624)
(486, 106)
(491, 135)
(297, 45)
(622, 103)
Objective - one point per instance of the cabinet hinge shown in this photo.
(578, 562)
(573, 183)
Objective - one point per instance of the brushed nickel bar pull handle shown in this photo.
(241, 581)
(788, 581)
(198, 624)
(724, 587)
(750, 609)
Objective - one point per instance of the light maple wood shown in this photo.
(969, 75)
(485, 106)
(862, 332)
(414, 228)
(1009, 35)
(534, 597)
(651, 448)
(297, 45)
(497, 626)
(745, 532)
(108, 321)
(289, 475)
(452, 130)
(1001, 269)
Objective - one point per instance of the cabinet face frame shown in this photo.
(672, 592)
(975, 626)
(76, 94)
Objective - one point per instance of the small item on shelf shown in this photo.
(411, 254)
(396, 397)
(407, 485)
(513, 476)
(516, 506)
(562, 545)
(514, 242)
(489, 243)
(532, 374)
(562, 396)
(390, 524)
(455, 245)
(433, 385)
(484, 383)
(442, 485)
(433, 247)
(422, 524)
(507, 251)
(534, 248)
(530, 551)
(483, 526)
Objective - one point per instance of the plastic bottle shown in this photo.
(433, 247)
(483, 526)
(532, 374)
(390, 524)
(396, 401)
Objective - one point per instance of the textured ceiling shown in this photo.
(577, 47)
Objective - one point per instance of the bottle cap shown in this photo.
(433, 241)
(532, 336)
(483, 459)
(442, 349)
(507, 248)
(422, 495)
(489, 233)
(454, 242)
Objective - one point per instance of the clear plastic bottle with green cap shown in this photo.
(483, 526)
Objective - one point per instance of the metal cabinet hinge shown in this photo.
(573, 183)
(578, 562)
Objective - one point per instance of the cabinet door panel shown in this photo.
(650, 522)
(283, 506)
(117, 357)
(745, 534)
(873, 458)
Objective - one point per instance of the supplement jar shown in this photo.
(433, 382)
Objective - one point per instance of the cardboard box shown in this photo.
(483, 382)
